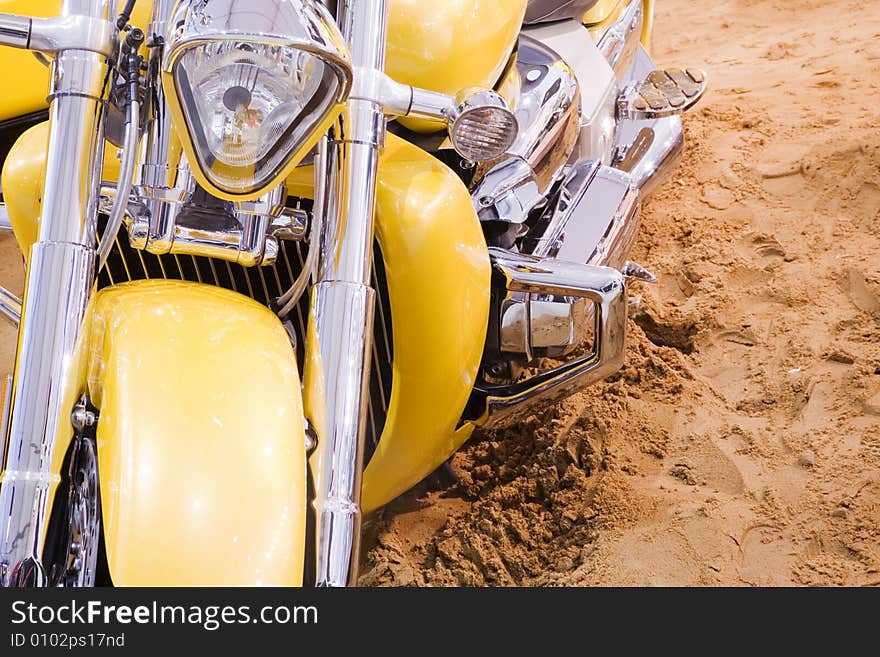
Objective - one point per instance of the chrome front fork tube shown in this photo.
(59, 279)
(343, 302)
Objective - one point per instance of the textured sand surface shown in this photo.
(741, 444)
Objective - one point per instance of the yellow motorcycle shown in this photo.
(425, 208)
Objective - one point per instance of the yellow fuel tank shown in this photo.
(451, 45)
(442, 46)
(25, 80)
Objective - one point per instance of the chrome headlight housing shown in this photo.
(252, 85)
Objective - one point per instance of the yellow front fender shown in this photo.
(200, 437)
(438, 273)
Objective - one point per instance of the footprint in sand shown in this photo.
(768, 249)
(864, 298)
(716, 196)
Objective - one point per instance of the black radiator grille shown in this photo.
(265, 284)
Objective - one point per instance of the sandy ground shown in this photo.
(741, 444)
(12, 278)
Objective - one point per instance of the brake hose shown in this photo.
(130, 48)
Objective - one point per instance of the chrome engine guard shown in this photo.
(567, 276)
(604, 287)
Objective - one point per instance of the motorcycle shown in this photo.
(425, 209)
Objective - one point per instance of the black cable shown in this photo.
(130, 48)
(124, 17)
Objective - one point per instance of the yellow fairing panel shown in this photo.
(452, 45)
(25, 80)
(24, 173)
(200, 438)
(438, 273)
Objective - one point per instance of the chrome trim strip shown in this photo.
(10, 308)
(7, 403)
(620, 41)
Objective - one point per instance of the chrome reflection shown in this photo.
(59, 280)
(604, 288)
(10, 308)
(595, 222)
(343, 307)
(621, 40)
(545, 94)
(648, 150)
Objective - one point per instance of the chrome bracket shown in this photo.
(248, 232)
(82, 418)
(59, 33)
(76, 32)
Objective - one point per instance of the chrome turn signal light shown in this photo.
(484, 128)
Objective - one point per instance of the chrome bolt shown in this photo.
(311, 438)
(82, 418)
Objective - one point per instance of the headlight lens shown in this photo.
(252, 85)
(248, 106)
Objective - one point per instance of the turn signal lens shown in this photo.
(484, 128)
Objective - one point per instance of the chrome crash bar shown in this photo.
(603, 286)
(59, 274)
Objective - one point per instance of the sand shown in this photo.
(741, 443)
